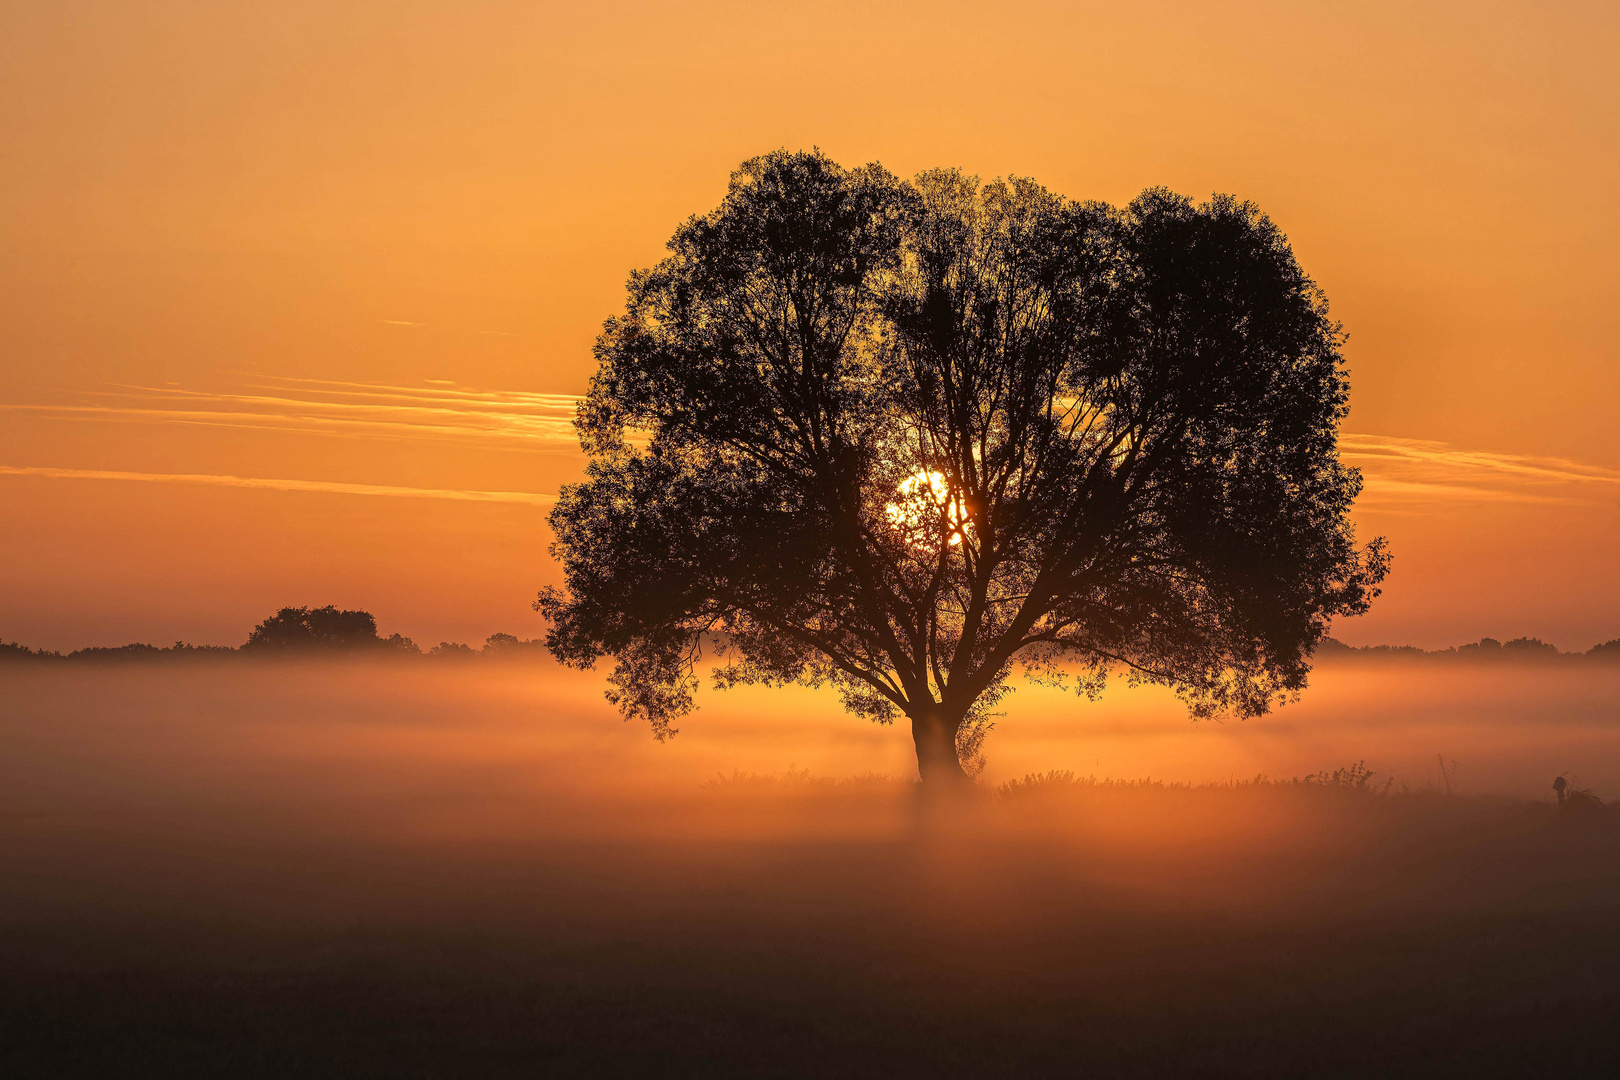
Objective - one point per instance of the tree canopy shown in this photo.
(302, 629)
(909, 438)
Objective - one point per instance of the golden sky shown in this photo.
(294, 298)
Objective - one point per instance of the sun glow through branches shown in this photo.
(924, 500)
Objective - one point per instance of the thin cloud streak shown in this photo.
(348, 426)
(1379, 491)
(1399, 470)
(327, 407)
(272, 484)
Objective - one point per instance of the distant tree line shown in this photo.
(296, 632)
(331, 631)
(1485, 649)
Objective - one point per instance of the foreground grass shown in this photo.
(1060, 927)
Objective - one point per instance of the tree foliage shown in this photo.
(305, 629)
(907, 438)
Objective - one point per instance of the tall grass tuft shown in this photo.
(1354, 778)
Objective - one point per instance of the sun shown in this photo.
(923, 501)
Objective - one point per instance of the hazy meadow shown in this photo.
(474, 868)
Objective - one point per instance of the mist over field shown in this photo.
(887, 345)
(383, 868)
(479, 748)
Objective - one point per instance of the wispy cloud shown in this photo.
(1406, 471)
(1401, 474)
(400, 322)
(271, 484)
(440, 411)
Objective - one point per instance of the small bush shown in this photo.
(453, 649)
(1356, 777)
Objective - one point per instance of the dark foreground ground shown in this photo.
(178, 900)
(901, 957)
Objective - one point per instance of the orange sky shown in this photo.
(354, 256)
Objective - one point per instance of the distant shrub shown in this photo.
(1581, 800)
(512, 645)
(1531, 647)
(1356, 777)
(1609, 651)
(209, 650)
(1033, 783)
(1523, 648)
(451, 649)
(402, 644)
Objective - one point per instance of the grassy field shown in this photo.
(225, 871)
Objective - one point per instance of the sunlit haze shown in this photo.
(296, 298)
(300, 306)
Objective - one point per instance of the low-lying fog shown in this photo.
(481, 748)
(209, 839)
(226, 766)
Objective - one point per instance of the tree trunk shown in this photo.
(934, 732)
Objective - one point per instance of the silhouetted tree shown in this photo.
(1487, 648)
(510, 645)
(403, 644)
(1529, 648)
(323, 628)
(905, 438)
